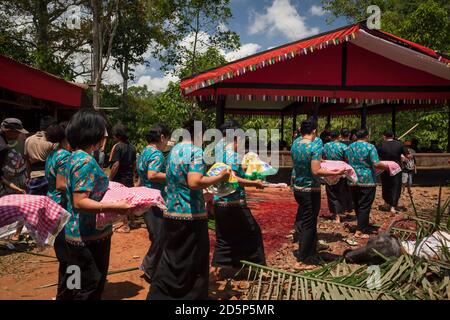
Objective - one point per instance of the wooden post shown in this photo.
(282, 127)
(294, 120)
(220, 112)
(448, 130)
(364, 116)
(393, 122)
(316, 108)
(329, 119)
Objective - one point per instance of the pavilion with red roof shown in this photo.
(347, 71)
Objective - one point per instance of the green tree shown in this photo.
(36, 32)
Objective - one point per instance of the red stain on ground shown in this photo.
(274, 210)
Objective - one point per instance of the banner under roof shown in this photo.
(349, 65)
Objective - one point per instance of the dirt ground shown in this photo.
(22, 275)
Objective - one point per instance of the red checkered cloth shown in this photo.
(43, 217)
(141, 199)
(394, 168)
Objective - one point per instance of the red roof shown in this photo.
(23, 79)
(349, 65)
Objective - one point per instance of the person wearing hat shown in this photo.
(37, 149)
(12, 163)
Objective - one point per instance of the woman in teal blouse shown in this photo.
(151, 169)
(363, 157)
(86, 184)
(306, 156)
(238, 235)
(183, 270)
(55, 167)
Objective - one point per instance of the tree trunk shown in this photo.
(41, 21)
(96, 50)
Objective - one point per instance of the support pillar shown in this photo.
(316, 108)
(220, 112)
(329, 119)
(282, 127)
(294, 120)
(364, 116)
(393, 122)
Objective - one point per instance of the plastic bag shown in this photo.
(255, 168)
(222, 188)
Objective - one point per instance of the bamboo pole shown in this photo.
(407, 132)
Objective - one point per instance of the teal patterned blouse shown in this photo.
(362, 156)
(303, 152)
(152, 159)
(182, 202)
(232, 159)
(334, 150)
(83, 174)
(54, 165)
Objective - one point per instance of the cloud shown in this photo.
(244, 51)
(281, 17)
(156, 84)
(317, 10)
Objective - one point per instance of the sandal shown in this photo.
(361, 236)
(351, 241)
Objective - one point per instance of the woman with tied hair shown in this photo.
(238, 235)
(152, 174)
(363, 157)
(55, 167)
(86, 184)
(307, 155)
(182, 272)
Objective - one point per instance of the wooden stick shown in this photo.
(28, 252)
(407, 132)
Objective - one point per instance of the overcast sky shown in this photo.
(261, 24)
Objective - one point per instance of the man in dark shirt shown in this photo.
(325, 135)
(391, 150)
(123, 164)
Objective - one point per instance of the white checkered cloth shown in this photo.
(43, 217)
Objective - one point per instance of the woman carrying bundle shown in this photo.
(339, 201)
(86, 184)
(238, 235)
(307, 155)
(55, 167)
(152, 174)
(363, 157)
(183, 270)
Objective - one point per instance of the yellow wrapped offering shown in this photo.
(255, 168)
(222, 188)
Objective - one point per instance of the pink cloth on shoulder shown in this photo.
(338, 165)
(394, 168)
(140, 198)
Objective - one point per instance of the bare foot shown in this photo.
(360, 235)
(302, 266)
(122, 229)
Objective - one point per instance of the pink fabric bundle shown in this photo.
(140, 198)
(43, 217)
(394, 168)
(338, 165)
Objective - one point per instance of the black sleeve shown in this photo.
(117, 153)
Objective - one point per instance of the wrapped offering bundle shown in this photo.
(337, 165)
(394, 168)
(43, 217)
(255, 168)
(140, 198)
(222, 188)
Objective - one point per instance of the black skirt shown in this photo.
(336, 197)
(183, 270)
(238, 237)
(154, 222)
